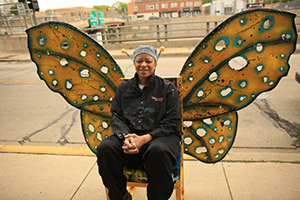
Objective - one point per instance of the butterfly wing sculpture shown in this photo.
(78, 68)
(244, 56)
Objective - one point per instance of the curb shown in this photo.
(297, 76)
(71, 151)
(241, 156)
(17, 60)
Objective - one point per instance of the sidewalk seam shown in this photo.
(83, 181)
(227, 182)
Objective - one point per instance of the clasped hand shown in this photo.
(133, 142)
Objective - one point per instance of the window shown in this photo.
(166, 5)
(197, 3)
(187, 3)
(135, 8)
(191, 3)
(251, 1)
(175, 5)
(151, 7)
(157, 6)
(228, 10)
(147, 7)
(182, 4)
(140, 17)
(162, 5)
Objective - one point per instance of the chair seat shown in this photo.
(139, 175)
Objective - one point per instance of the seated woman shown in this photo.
(146, 117)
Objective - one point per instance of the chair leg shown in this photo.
(179, 185)
(179, 190)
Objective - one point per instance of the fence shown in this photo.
(155, 32)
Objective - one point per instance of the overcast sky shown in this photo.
(49, 4)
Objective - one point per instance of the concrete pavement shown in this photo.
(29, 172)
(70, 172)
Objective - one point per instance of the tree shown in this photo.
(207, 1)
(102, 7)
(122, 7)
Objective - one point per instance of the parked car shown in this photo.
(153, 17)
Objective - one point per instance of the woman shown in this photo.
(146, 117)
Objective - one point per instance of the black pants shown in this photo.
(159, 157)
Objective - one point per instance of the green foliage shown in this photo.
(102, 8)
(207, 1)
(246, 161)
(276, 161)
(14, 10)
(277, 1)
(122, 7)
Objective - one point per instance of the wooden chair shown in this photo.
(138, 178)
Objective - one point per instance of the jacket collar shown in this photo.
(135, 81)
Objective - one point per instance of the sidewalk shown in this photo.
(71, 173)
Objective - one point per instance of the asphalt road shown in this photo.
(31, 114)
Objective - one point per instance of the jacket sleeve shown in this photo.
(170, 121)
(119, 125)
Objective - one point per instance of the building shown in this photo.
(70, 14)
(224, 7)
(252, 4)
(152, 9)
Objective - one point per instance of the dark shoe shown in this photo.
(127, 196)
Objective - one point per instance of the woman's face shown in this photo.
(144, 65)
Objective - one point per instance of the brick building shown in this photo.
(70, 14)
(151, 9)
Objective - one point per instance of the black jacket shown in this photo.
(154, 110)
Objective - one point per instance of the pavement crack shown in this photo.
(27, 138)
(89, 172)
(63, 140)
(289, 127)
(127, 68)
(227, 182)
